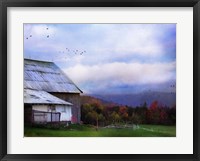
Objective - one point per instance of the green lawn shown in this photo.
(89, 131)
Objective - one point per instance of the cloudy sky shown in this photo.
(108, 58)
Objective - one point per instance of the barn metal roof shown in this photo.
(46, 76)
(42, 97)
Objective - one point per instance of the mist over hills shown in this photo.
(166, 99)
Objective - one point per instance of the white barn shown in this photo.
(49, 95)
(45, 107)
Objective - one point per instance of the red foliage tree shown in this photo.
(157, 114)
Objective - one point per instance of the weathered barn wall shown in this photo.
(40, 108)
(65, 111)
(73, 98)
(27, 113)
(41, 117)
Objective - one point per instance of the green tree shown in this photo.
(115, 117)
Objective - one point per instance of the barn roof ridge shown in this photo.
(37, 60)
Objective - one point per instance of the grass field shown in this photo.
(89, 131)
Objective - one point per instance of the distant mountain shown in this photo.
(92, 99)
(168, 99)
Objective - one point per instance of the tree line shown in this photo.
(96, 113)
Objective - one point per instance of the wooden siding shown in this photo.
(65, 114)
(27, 113)
(75, 100)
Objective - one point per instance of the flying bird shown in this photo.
(172, 85)
(47, 36)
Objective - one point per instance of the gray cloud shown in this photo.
(117, 74)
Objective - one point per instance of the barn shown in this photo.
(49, 94)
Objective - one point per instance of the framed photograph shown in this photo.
(108, 80)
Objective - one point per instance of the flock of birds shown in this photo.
(31, 35)
(173, 86)
(66, 50)
(76, 52)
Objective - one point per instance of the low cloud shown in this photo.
(118, 74)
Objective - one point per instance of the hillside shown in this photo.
(92, 99)
(168, 99)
